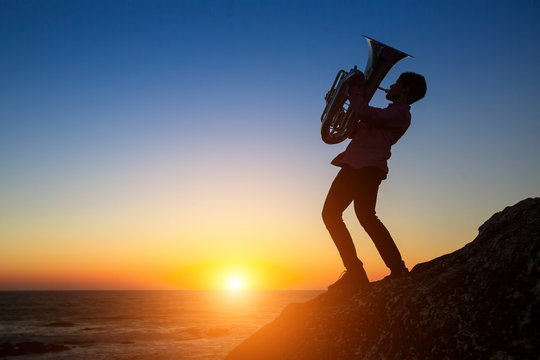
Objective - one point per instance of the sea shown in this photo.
(152, 325)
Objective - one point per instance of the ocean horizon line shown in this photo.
(158, 290)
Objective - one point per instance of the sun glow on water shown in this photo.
(235, 283)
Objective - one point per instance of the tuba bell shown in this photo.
(338, 117)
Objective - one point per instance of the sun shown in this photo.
(235, 283)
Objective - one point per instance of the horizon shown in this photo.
(176, 146)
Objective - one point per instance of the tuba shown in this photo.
(338, 117)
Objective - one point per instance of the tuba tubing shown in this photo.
(337, 117)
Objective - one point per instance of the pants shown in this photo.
(360, 186)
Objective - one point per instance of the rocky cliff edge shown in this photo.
(479, 302)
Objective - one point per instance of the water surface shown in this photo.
(119, 325)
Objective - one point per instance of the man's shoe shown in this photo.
(396, 274)
(351, 281)
(343, 279)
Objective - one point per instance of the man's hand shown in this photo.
(356, 86)
(354, 90)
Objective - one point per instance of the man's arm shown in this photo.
(372, 115)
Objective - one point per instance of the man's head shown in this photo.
(409, 88)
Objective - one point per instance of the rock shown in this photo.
(480, 302)
(29, 347)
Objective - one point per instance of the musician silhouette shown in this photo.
(363, 167)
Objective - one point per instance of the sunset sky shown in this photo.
(176, 144)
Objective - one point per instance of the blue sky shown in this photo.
(113, 105)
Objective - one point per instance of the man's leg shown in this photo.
(339, 197)
(365, 199)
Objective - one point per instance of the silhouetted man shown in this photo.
(363, 167)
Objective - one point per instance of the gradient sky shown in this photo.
(167, 144)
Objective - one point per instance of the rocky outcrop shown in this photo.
(29, 347)
(480, 302)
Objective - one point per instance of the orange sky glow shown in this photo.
(148, 148)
